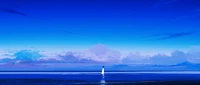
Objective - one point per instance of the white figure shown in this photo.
(102, 72)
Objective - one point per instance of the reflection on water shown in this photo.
(98, 79)
(103, 82)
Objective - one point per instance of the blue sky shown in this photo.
(99, 30)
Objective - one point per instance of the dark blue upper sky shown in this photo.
(148, 26)
(112, 22)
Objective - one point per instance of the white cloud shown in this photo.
(102, 53)
(96, 54)
(136, 58)
(176, 57)
(194, 54)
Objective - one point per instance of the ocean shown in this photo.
(95, 78)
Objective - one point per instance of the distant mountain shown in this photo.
(120, 66)
(184, 66)
(186, 63)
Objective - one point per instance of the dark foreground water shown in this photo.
(95, 78)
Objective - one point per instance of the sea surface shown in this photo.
(95, 78)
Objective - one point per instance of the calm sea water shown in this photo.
(95, 78)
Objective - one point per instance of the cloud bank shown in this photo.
(100, 54)
(96, 54)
